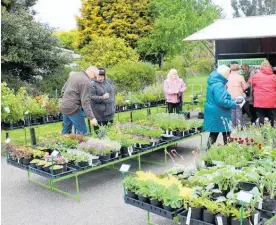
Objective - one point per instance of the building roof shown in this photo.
(237, 28)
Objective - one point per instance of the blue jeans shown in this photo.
(78, 120)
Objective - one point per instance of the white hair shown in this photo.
(93, 69)
(223, 70)
(172, 71)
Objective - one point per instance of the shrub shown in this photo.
(132, 76)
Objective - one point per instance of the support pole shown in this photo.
(7, 135)
(148, 112)
(33, 137)
(131, 116)
(77, 189)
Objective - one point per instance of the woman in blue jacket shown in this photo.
(218, 107)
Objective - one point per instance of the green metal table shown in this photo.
(52, 181)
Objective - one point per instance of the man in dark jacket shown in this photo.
(103, 98)
(75, 102)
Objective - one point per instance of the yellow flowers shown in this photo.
(185, 192)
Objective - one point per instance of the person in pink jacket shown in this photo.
(264, 92)
(236, 86)
(174, 87)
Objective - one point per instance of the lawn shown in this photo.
(18, 136)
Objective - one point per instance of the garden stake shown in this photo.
(33, 138)
(242, 211)
(131, 117)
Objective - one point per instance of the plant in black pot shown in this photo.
(236, 215)
(131, 187)
(212, 208)
(196, 204)
(156, 194)
(82, 160)
(40, 164)
(60, 160)
(172, 199)
(223, 212)
(34, 162)
(38, 154)
(56, 169)
(47, 167)
(143, 190)
(269, 183)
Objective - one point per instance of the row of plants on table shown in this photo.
(113, 142)
(19, 109)
(247, 163)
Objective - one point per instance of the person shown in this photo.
(218, 106)
(103, 99)
(236, 85)
(264, 86)
(174, 87)
(75, 101)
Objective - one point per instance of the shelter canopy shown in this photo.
(237, 28)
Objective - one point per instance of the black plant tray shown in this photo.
(144, 149)
(78, 167)
(267, 214)
(183, 217)
(18, 165)
(152, 209)
(49, 175)
(111, 159)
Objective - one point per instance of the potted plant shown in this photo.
(82, 160)
(269, 182)
(34, 162)
(26, 156)
(143, 190)
(56, 169)
(40, 164)
(172, 199)
(196, 205)
(47, 166)
(59, 160)
(156, 194)
(131, 187)
(37, 154)
(210, 211)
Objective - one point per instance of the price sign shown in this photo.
(124, 168)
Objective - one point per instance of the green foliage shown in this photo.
(106, 52)
(171, 197)
(172, 24)
(54, 82)
(132, 76)
(68, 39)
(12, 108)
(129, 20)
(130, 183)
(31, 50)
(253, 7)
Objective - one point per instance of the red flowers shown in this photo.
(260, 147)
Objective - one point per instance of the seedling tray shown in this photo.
(152, 209)
(78, 167)
(183, 218)
(49, 175)
(18, 165)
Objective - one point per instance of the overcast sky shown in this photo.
(60, 14)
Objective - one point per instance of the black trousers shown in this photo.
(214, 136)
(102, 123)
(172, 106)
(266, 112)
(253, 113)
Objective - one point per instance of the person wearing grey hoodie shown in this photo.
(103, 99)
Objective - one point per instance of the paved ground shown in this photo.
(101, 203)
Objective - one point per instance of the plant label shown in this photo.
(256, 218)
(244, 196)
(117, 154)
(124, 168)
(260, 205)
(219, 220)
(8, 140)
(189, 216)
(54, 153)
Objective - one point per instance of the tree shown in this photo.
(175, 20)
(132, 76)
(253, 7)
(28, 48)
(106, 52)
(68, 39)
(127, 19)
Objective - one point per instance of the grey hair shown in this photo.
(171, 72)
(223, 70)
(93, 69)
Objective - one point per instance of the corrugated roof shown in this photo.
(237, 28)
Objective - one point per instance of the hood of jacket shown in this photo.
(266, 70)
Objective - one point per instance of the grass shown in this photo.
(18, 135)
